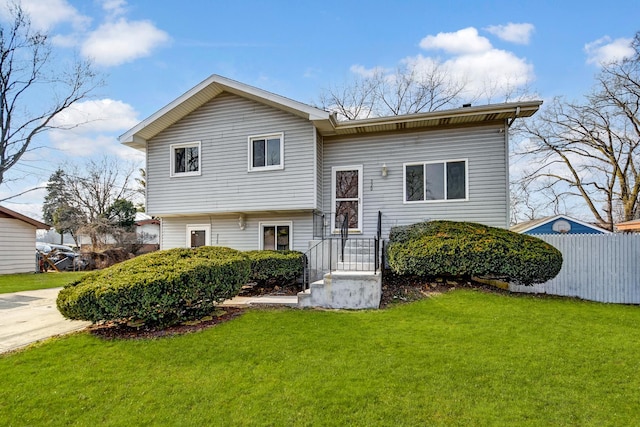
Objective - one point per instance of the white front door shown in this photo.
(346, 188)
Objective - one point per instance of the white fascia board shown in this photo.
(241, 89)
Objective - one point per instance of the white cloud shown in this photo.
(462, 41)
(92, 127)
(494, 71)
(104, 115)
(115, 43)
(114, 7)
(514, 33)
(488, 73)
(47, 14)
(604, 50)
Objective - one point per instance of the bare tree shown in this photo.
(591, 149)
(409, 89)
(350, 102)
(97, 198)
(29, 73)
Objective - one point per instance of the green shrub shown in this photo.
(277, 267)
(464, 249)
(162, 288)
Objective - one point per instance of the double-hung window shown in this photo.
(435, 181)
(276, 236)
(185, 159)
(266, 152)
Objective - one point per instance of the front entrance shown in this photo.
(346, 189)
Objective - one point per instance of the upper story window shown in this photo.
(185, 159)
(266, 152)
(435, 181)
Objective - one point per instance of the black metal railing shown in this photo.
(344, 252)
(318, 225)
(344, 233)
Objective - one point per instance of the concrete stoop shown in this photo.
(344, 289)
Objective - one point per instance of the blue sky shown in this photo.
(151, 51)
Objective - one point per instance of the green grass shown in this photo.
(32, 281)
(462, 358)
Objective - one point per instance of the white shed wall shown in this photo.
(17, 246)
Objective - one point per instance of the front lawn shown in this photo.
(33, 281)
(463, 358)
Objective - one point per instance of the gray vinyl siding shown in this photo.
(17, 246)
(483, 147)
(226, 232)
(223, 126)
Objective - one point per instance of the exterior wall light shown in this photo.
(384, 170)
(241, 222)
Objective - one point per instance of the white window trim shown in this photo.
(250, 140)
(207, 233)
(263, 224)
(172, 162)
(445, 200)
(334, 169)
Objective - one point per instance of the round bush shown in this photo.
(160, 288)
(278, 267)
(464, 249)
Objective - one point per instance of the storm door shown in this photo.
(346, 184)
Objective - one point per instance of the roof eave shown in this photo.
(15, 215)
(209, 89)
(519, 109)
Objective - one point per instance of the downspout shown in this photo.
(508, 123)
(515, 116)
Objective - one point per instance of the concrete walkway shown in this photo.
(285, 300)
(30, 316)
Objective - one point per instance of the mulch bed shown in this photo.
(112, 330)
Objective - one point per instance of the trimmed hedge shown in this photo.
(464, 249)
(280, 267)
(160, 288)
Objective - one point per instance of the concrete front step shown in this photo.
(345, 290)
(356, 266)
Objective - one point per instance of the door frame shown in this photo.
(334, 169)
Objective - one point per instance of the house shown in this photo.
(18, 242)
(147, 230)
(233, 165)
(558, 224)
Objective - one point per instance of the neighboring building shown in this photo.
(52, 236)
(558, 224)
(632, 226)
(233, 165)
(147, 229)
(18, 242)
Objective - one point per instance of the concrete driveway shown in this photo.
(30, 316)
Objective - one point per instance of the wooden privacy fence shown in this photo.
(597, 267)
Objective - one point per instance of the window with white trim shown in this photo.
(435, 181)
(185, 159)
(198, 235)
(266, 152)
(277, 236)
